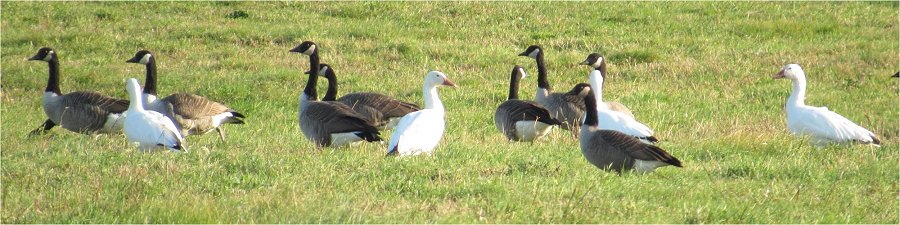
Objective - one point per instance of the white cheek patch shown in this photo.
(598, 62)
(49, 56)
(310, 51)
(534, 53)
(146, 59)
(523, 72)
(322, 70)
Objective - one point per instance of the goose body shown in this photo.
(149, 129)
(85, 112)
(821, 124)
(568, 109)
(329, 123)
(384, 111)
(615, 120)
(598, 62)
(521, 120)
(616, 151)
(420, 132)
(193, 114)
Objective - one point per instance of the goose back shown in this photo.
(319, 120)
(513, 111)
(85, 112)
(378, 108)
(616, 151)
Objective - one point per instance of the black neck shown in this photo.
(542, 71)
(514, 86)
(310, 89)
(602, 69)
(53, 82)
(150, 81)
(590, 113)
(331, 93)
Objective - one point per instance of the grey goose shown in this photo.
(329, 123)
(193, 114)
(521, 120)
(385, 111)
(616, 151)
(85, 112)
(598, 62)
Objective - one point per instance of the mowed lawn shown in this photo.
(699, 74)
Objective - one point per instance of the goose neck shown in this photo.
(798, 94)
(542, 71)
(331, 93)
(590, 113)
(596, 81)
(136, 103)
(432, 101)
(513, 87)
(150, 81)
(310, 89)
(53, 81)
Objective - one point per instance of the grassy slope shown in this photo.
(698, 73)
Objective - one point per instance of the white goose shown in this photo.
(615, 120)
(149, 129)
(821, 124)
(420, 131)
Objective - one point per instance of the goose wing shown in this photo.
(386, 105)
(825, 123)
(191, 106)
(518, 110)
(637, 149)
(86, 112)
(334, 117)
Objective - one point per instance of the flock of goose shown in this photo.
(610, 137)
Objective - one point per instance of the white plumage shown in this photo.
(149, 129)
(614, 120)
(419, 132)
(821, 124)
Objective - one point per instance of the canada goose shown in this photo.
(896, 75)
(618, 121)
(329, 123)
(85, 112)
(148, 128)
(385, 111)
(617, 151)
(821, 124)
(567, 109)
(420, 131)
(598, 62)
(193, 114)
(522, 120)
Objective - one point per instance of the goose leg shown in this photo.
(43, 128)
(221, 132)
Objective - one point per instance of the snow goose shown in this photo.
(567, 109)
(85, 112)
(149, 129)
(821, 124)
(598, 62)
(193, 114)
(614, 120)
(617, 151)
(420, 131)
(385, 111)
(329, 123)
(522, 120)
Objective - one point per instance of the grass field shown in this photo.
(699, 74)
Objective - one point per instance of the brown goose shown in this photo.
(385, 111)
(85, 112)
(617, 151)
(522, 120)
(598, 62)
(567, 109)
(329, 123)
(193, 114)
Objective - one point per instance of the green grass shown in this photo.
(698, 73)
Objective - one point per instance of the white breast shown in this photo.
(530, 130)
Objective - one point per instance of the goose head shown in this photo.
(532, 52)
(142, 57)
(580, 89)
(132, 86)
(306, 48)
(519, 72)
(594, 60)
(45, 54)
(437, 78)
(790, 71)
(324, 71)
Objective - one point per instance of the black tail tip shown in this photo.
(674, 161)
(238, 115)
(876, 141)
(652, 139)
